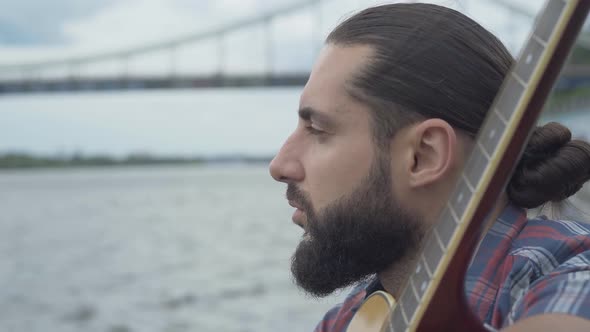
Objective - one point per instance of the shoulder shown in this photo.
(554, 229)
(550, 269)
(337, 318)
(546, 249)
(547, 244)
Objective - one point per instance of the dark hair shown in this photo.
(552, 168)
(430, 61)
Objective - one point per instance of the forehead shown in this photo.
(333, 71)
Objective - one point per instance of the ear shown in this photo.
(435, 152)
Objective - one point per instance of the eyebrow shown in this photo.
(309, 113)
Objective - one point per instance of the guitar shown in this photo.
(424, 305)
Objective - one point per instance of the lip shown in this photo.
(298, 215)
(295, 205)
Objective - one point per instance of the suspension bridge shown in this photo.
(33, 77)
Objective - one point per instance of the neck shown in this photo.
(394, 278)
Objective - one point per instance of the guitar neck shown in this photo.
(424, 305)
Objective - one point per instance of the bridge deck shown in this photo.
(136, 83)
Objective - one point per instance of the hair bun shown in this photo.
(552, 168)
(546, 140)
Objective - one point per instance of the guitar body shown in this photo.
(372, 314)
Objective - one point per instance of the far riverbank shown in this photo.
(27, 161)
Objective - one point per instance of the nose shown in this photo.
(286, 165)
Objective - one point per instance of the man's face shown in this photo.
(331, 149)
(340, 182)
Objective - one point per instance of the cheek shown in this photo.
(336, 169)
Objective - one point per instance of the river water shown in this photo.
(149, 249)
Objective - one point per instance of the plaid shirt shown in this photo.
(523, 267)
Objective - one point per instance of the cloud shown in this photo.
(106, 26)
(31, 22)
(130, 23)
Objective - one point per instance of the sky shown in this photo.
(65, 28)
(177, 122)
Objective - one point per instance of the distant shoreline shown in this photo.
(15, 161)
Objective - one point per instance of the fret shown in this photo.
(548, 21)
(528, 60)
(398, 322)
(482, 150)
(518, 79)
(461, 197)
(409, 302)
(453, 214)
(446, 227)
(421, 279)
(471, 189)
(509, 97)
(539, 40)
(491, 133)
(389, 325)
(500, 115)
(433, 252)
(400, 308)
(426, 268)
(476, 165)
(416, 294)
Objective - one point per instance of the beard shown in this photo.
(360, 234)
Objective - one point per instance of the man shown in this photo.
(386, 122)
